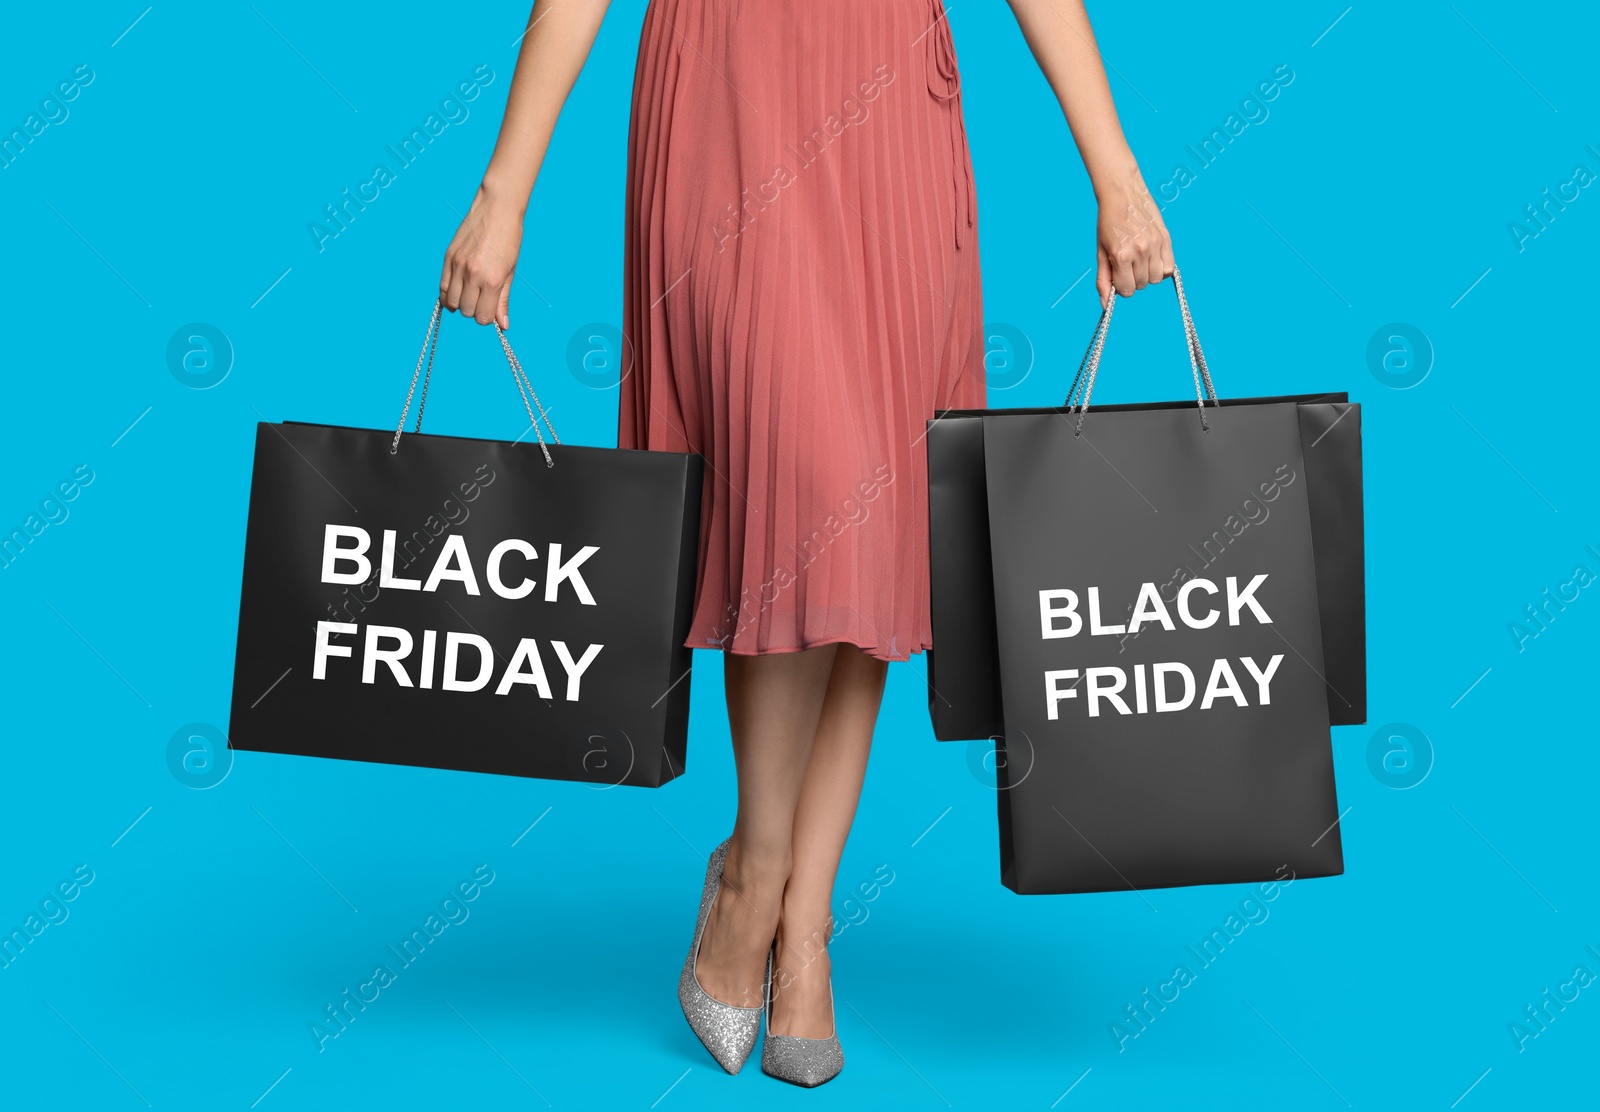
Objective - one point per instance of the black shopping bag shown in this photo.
(963, 665)
(1161, 728)
(516, 608)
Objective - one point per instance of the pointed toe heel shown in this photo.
(797, 1060)
(729, 1032)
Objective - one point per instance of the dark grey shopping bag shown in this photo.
(467, 604)
(1162, 725)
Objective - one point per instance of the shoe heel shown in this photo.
(728, 1031)
(799, 1061)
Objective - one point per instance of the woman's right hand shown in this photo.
(482, 259)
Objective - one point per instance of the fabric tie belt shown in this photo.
(944, 82)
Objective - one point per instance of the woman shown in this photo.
(802, 293)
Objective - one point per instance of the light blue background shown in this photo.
(1379, 189)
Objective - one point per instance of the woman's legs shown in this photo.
(774, 704)
(802, 728)
(802, 1002)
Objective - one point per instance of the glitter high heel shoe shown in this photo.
(800, 1061)
(728, 1031)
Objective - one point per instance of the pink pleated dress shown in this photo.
(802, 293)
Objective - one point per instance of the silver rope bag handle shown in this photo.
(1083, 384)
(430, 343)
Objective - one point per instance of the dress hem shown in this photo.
(772, 650)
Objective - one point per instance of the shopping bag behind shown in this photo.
(1161, 728)
(516, 608)
(963, 665)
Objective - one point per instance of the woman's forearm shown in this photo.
(557, 43)
(1062, 41)
(1133, 246)
(481, 260)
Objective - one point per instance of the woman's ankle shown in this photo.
(802, 939)
(758, 872)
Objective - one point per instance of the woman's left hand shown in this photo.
(1134, 248)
